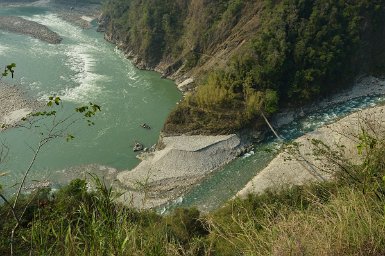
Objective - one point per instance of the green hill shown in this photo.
(248, 56)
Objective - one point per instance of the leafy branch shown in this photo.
(8, 69)
(57, 129)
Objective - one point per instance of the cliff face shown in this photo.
(180, 39)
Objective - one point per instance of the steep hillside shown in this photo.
(248, 58)
(180, 38)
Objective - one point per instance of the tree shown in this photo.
(259, 103)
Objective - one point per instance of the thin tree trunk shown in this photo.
(270, 126)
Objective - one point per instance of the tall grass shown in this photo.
(350, 223)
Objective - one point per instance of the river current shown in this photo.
(83, 68)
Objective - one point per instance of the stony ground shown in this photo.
(14, 104)
(300, 163)
(31, 28)
(168, 173)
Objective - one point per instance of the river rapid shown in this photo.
(83, 68)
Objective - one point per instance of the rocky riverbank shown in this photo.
(14, 105)
(288, 169)
(298, 165)
(363, 86)
(183, 161)
(79, 14)
(27, 27)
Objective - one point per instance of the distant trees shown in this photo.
(170, 29)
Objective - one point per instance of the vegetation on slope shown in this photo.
(176, 32)
(343, 217)
(77, 1)
(303, 50)
(296, 52)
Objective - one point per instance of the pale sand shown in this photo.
(168, 173)
(14, 105)
(296, 169)
(15, 116)
(87, 18)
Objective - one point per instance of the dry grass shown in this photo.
(351, 223)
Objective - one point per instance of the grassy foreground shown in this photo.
(343, 217)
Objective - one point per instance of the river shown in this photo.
(83, 68)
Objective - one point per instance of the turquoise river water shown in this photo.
(83, 68)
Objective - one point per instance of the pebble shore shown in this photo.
(26, 27)
(168, 173)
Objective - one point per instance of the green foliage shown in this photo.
(271, 101)
(9, 69)
(89, 111)
(366, 142)
(52, 100)
(185, 224)
(301, 51)
(151, 27)
(175, 31)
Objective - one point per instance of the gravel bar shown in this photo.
(26, 27)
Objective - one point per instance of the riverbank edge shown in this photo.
(184, 83)
(179, 185)
(14, 105)
(179, 165)
(299, 164)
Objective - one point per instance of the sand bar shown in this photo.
(26, 27)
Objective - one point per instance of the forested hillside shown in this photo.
(248, 57)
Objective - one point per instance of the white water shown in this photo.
(83, 68)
